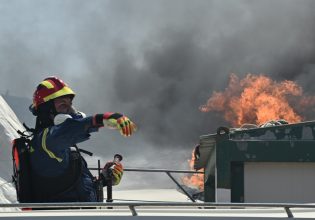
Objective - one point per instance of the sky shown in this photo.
(155, 61)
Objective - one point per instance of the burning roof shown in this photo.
(257, 99)
(255, 103)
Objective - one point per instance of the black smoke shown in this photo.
(191, 50)
(155, 61)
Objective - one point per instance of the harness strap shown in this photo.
(85, 152)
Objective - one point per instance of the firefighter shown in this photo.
(59, 172)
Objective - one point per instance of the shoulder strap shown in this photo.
(27, 134)
(83, 151)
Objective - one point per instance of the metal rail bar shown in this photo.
(288, 211)
(133, 210)
(156, 170)
(132, 206)
(156, 204)
(186, 193)
(168, 172)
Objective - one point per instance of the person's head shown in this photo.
(52, 96)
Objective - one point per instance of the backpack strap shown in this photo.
(85, 152)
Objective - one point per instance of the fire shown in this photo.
(254, 99)
(257, 99)
(196, 179)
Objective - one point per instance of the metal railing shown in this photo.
(132, 206)
(168, 172)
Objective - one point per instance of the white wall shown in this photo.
(279, 182)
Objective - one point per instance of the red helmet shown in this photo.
(49, 89)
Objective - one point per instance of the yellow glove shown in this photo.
(113, 170)
(120, 122)
(115, 121)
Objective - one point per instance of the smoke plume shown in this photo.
(155, 61)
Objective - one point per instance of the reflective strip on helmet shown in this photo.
(47, 84)
(64, 91)
(50, 88)
(50, 153)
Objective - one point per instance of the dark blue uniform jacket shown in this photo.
(51, 158)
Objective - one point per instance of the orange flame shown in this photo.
(258, 99)
(254, 99)
(196, 179)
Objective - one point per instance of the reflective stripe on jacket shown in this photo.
(51, 154)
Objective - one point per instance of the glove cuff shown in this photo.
(111, 115)
(107, 115)
(98, 120)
